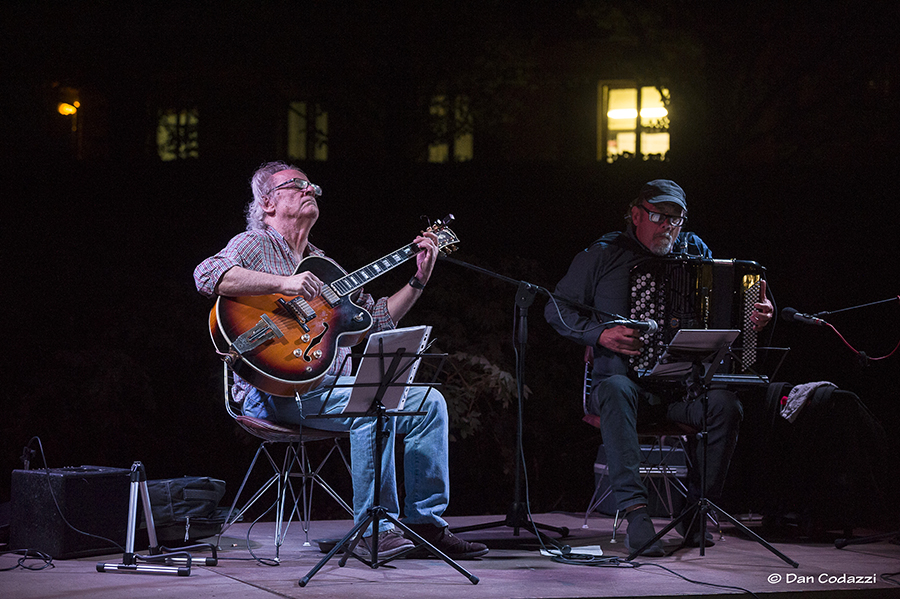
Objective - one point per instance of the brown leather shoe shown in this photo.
(445, 541)
(390, 544)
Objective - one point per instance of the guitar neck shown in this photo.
(356, 279)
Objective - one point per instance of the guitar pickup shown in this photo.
(330, 296)
(265, 330)
(299, 309)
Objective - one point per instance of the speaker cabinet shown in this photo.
(93, 499)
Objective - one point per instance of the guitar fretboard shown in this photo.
(356, 279)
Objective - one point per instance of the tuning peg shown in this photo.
(442, 222)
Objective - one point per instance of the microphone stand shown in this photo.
(829, 313)
(817, 319)
(889, 536)
(518, 515)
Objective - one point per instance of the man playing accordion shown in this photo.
(600, 277)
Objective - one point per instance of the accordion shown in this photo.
(695, 293)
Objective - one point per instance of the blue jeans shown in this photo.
(621, 403)
(426, 473)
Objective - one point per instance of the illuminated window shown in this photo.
(177, 133)
(452, 138)
(632, 121)
(307, 131)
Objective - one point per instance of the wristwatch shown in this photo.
(415, 283)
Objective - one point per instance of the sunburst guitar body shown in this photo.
(284, 345)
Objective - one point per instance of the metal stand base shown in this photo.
(351, 539)
(177, 563)
(699, 513)
(517, 518)
(893, 537)
(379, 513)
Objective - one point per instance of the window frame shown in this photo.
(604, 131)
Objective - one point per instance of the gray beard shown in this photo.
(663, 250)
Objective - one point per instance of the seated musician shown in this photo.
(262, 261)
(599, 277)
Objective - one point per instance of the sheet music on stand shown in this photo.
(388, 368)
(686, 347)
(380, 349)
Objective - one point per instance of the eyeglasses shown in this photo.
(658, 217)
(297, 183)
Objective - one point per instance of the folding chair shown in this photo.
(294, 463)
(660, 471)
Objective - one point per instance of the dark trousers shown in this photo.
(622, 405)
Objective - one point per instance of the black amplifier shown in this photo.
(93, 499)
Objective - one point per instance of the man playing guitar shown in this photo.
(266, 259)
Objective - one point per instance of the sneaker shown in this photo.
(640, 530)
(445, 541)
(390, 544)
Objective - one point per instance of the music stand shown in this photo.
(697, 354)
(395, 370)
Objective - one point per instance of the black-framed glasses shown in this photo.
(300, 184)
(658, 217)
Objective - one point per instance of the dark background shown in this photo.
(785, 142)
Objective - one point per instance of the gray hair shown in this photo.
(635, 202)
(260, 186)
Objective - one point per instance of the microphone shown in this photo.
(792, 315)
(649, 326)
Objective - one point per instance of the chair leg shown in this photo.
(616, 523)
(595, 503)
(595, 500)
(279, 478)
(316, 478)
(290, 459)
(233, 517)
(303, 501)
(294, 464)
(309, 478)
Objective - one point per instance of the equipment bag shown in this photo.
(830, 468)
(187, 508)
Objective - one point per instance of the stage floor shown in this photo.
(514, 568)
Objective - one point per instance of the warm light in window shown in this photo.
(631, 120)
(654, 113)
(68, 109)
(631, 113)
(622, 113)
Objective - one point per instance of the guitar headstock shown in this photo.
(447, 239)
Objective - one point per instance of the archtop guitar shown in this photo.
(284, 345)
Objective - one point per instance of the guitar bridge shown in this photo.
(265, 330)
